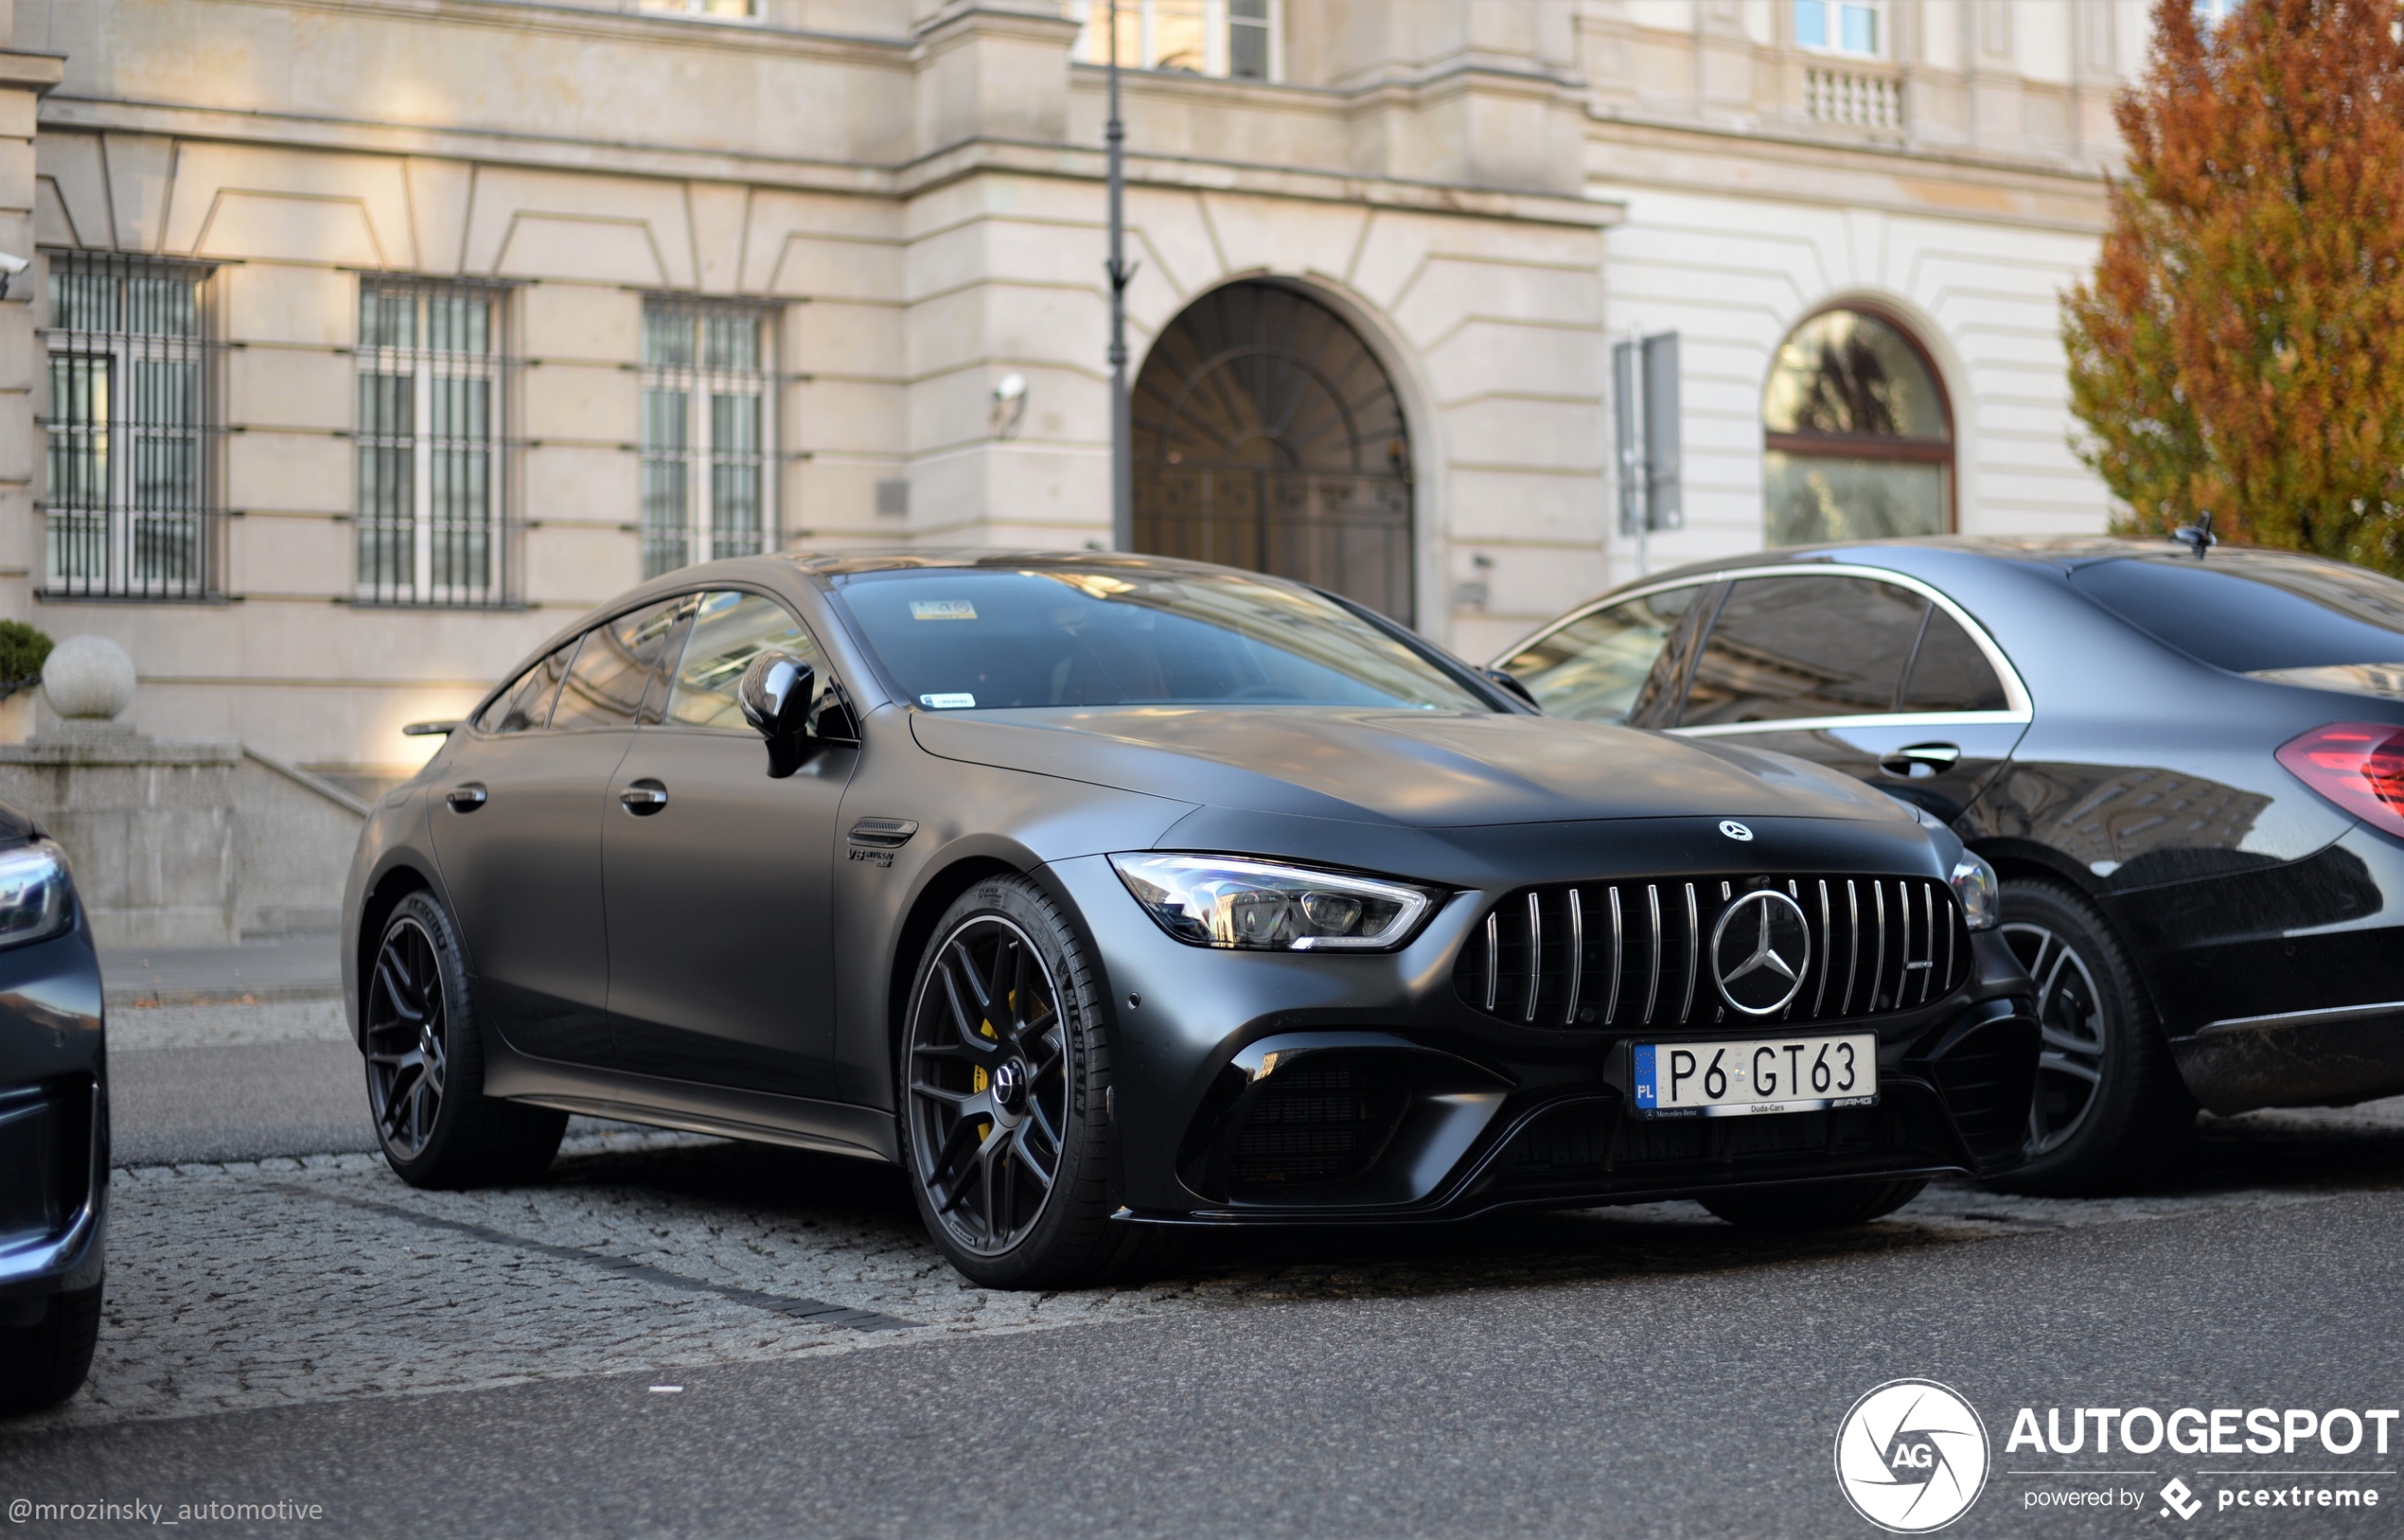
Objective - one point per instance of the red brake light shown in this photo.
(2359, 766)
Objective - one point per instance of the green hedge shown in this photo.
(22, 652)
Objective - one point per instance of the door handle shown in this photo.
(643, 798)
(465, 799)
(1918, 761)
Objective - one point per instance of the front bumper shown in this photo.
(54, 1119)
(1279, 1087)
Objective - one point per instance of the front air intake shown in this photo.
(1325, 1119)
(1637, 954)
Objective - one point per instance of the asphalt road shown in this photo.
(312, 1332)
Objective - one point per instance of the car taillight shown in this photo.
(2359, 766)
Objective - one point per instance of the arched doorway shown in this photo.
(1857, 440)
(1267, 436)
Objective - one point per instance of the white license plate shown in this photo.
(1746, 1078)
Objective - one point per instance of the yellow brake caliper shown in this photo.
(978, 1080)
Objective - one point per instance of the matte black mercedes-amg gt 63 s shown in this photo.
(1106, 894)
(54, 1124)
(2187, 762)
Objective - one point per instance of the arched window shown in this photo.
(1857, 442)
(1267, 435)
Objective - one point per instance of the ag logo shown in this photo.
(1911, 1456)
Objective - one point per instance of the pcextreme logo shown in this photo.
(1911, 1456)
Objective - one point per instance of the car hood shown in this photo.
(1420, 770)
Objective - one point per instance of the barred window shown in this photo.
(429, 434)
(706, 422)
(125, 510)
(1233, 38)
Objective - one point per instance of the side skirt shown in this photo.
(829, 1127)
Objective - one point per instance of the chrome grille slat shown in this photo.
(1535, 956)
(1653, 990)
(1694, 954)
(1877, 967)
(1828, 952)
(1493, 957)
(1852, 944)
(1948, 948)
(1577, 958)
(1928, 925)
(1611, 1008)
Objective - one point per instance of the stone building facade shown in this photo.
(368, 341)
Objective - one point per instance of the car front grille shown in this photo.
(1637, 953)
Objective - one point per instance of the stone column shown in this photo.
(24, 78)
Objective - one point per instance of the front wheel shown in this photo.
(45, 1352)
(426, 1065)
(1003, 1070)
(1823, 1206)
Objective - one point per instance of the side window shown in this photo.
(1789, 648)
(613, 668)
(526, 706)
(728, 630)
(1593, 668)
(1950, 673)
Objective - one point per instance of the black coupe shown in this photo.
(1107, 895)
(2185, 761)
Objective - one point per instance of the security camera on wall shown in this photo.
(1010, 404)
(10, 265)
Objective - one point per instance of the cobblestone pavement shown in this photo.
(324, 1278)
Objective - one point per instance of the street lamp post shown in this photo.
(1122, 423)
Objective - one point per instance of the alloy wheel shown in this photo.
(988, 1069)
(2069, 1018)
(408, 1030)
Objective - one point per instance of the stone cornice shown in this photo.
(1894, 179)
(37, 72)
(907, 179)
(1198, 174)
(647, 28)
(1767, 141)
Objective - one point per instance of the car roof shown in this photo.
(2062, 553)
(852, 563)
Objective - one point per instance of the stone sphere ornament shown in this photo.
(88, 679)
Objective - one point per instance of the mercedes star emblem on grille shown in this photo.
(1735, 830)
(1759, 951)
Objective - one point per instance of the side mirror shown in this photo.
(775, 696)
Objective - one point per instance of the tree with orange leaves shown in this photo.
(2241, 347)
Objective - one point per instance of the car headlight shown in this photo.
(33, 894)
(1260, 906)
(1980, 891)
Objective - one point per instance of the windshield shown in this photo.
(961, 639)
(2256, 611)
